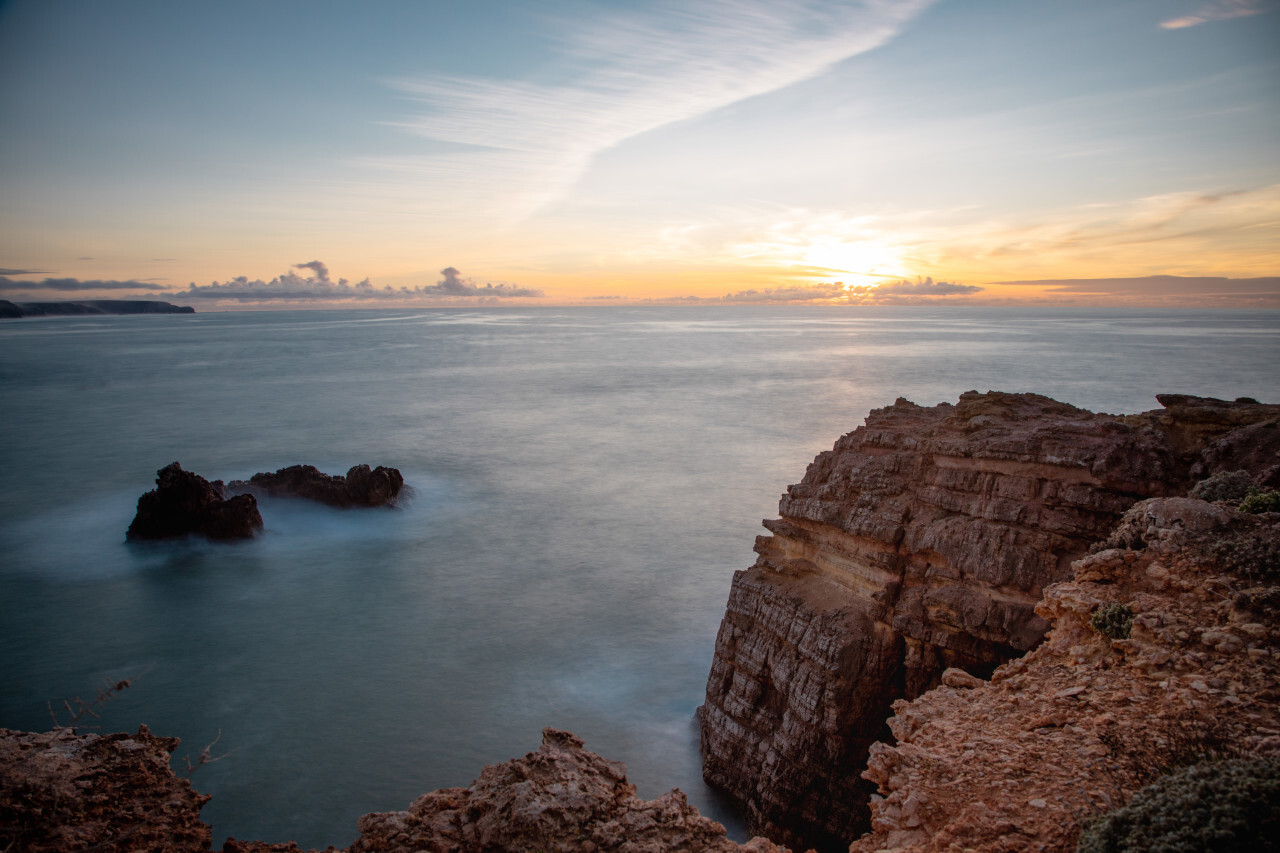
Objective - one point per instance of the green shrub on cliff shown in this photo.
(1214, 807)
(1258, 502)
(1114, 619)
(1251, 554)
(1224, 486)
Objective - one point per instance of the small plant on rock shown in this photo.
(1114, 620)
(1224, 486)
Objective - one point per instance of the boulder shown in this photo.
(184, 503)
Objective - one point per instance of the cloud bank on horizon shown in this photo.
(71, 285)
(899, 292)
(294, 287)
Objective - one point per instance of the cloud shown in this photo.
(838, 293)
(5, 271)
(1220, 10)
(624, 74)
(293, 287)
(318, 267)
(921, 287)
(1168, 287)
(75, 285)
(454, 284)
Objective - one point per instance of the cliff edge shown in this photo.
(923, 542)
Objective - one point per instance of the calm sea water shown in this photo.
(586, 482)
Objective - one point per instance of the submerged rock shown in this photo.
(360, 487)
(184, 503)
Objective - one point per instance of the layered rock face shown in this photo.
(922, 541)
(184, 503)
(1191, 670)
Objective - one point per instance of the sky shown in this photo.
(240, 155)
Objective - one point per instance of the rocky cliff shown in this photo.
(1164, 650)
(923, 541)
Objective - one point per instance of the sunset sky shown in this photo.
(284, 153)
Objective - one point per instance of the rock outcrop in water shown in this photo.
(923, 542)
(360, 487)
(65, 791)
(184, 503)
(1188, 666)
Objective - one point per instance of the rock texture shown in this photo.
(184, 503)
(922, 542)
(1079, 724)
(61, 791)
(360, 487)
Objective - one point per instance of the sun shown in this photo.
(860, 262)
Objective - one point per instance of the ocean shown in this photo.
(585, 482)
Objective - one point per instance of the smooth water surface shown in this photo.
(585, 483)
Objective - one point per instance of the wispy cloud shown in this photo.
(68, 285)
(6, 271)
(1219, 10)
(294, 287)
(628, 73)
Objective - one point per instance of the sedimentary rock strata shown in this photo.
(1075, 727)
(184, 503)
(923, 541)
(360, 487)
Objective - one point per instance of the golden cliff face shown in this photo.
(921, 541)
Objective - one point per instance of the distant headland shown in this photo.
(90, 306)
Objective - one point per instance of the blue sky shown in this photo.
(956, 150)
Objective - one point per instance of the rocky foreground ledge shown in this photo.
(62, 791)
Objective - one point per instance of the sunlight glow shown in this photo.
(865, 262)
